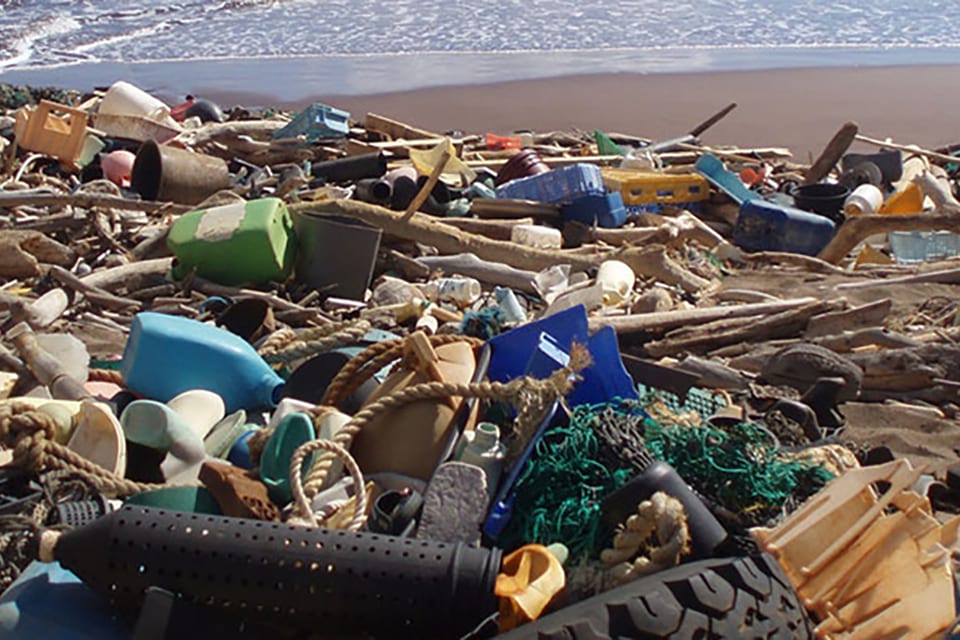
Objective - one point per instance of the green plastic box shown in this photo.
(241, 243)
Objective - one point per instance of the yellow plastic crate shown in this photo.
(646, 187)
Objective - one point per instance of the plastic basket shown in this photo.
(645, 188)
(560, 186)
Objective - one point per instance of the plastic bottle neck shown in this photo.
(486, 436)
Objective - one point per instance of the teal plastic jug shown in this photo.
(167, 355)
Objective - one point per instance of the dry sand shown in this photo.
(800, 108)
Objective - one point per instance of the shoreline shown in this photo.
(798, 108)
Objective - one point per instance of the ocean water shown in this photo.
(308, 47)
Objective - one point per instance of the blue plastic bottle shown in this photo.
(167, 355)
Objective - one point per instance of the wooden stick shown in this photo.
(424, 192)
(907, 149)
(20, 198)
(470, 265)
(114, 277)
(94, 294)
(650, 261)
(869, 315)
(831, 154)
(495, 229)
(859, 228)
(943, 276)
(665, 320)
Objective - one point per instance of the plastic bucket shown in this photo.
(124, 99)
(174, 175)
(823, 198)
(335, 254)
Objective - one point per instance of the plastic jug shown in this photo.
(766, 226)
(167, 355)
(236, 243)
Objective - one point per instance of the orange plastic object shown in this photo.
(531, 577)
(52, 129)
(495, 142)
(907, 201)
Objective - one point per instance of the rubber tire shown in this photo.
(711, 599)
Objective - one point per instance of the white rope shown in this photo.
(296, 482)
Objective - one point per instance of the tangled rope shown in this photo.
(374, 358)
(296, 484)
(29, 433)
(655, 538)
(530, 395)
(313, 341)
(106, 375)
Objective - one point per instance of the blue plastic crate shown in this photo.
(559, 186)
(316, 122)
(656, 207)
(606, 210)
(919, 246)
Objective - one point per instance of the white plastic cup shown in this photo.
(124, 99)
(535, 235)
(616, 279)
(865, 200)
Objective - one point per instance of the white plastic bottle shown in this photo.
(482, 448)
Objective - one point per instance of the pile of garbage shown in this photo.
(301, 375)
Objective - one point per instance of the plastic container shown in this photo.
(824, 198)
(606, 211)
(316, 122)
(560, 186)
(920, 246)
(482, 448)
(646, 188)
(168, 174)
(124, 99)
(905, 202)
(335, 254)
(616, 278)
(765, 226)
(52, 129)
(370, 165)
(508, 301)
(460, 290)
(865, 200)
(167, 355)
(523, 164)
(236, 243)
(535, 235)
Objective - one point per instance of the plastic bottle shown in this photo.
(167, 355)
(460, 290)
(482, 448)
(865, 200)
(507, 300)
(616, 278)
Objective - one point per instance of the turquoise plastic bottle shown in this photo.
(167, 355)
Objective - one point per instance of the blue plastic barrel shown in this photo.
(766, 226)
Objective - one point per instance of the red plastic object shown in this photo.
(179, 112)
(495, 142)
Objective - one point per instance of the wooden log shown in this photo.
(859, 228)
(214, 289)
(886, 144)
(909, 369)
(396, 129)
(943, 276)
(869, 315)
(666, 320)
(21, 253)
(714, 375)
(509, 208)
(808, 263)
(777, 325)
(115, 277)
(495, 273)
(832, 153)
(650, 261)
(213, 131)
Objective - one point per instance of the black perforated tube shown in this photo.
(317, 579)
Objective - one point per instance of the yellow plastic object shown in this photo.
(908, 200)
(868, 557)
(872, 255)
(531, 577)
(647, 187)
(426, 159)
(52, 129)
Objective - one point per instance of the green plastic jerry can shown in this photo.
(238, 243)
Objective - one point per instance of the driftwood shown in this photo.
(868, 315)
(495, 229)
(779, 325)
(508, 208)
(495, 273)
(21, 253)
(38, 313)
(395, 129)
(650, 262)
(743, 295)
(808, 263)
(211, 132)
(886, 144)
(938, 189)
(666, 320)
(85, 200)
(675, 230)
(859, 228)
(909, 369)
(714, 375)
(94, 294)
(832, 153)
(943, 276)
(213, 289)
(116, 277)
